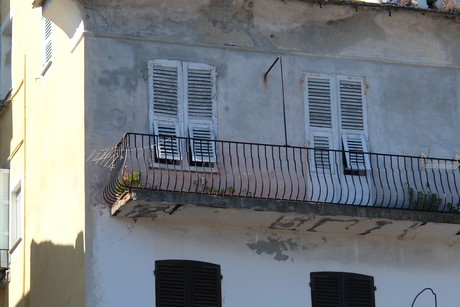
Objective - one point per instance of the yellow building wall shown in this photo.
(48, 266)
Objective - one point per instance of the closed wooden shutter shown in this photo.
(184, 283)
(170, 284)
(165, 83)
(338, 289)
(353, 122)
(205, 285)
(359, 290)
(201, 97)
(325, 290)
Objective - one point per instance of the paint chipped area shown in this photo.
(274, 246)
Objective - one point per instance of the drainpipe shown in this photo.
(282, 92)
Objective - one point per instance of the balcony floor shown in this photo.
(177, 207)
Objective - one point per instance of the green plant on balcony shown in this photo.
(453, 208)
(128, 181)
(203, 187)
(424, 200)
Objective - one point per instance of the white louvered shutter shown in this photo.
(353, 122)
(47, 40)
(320, 106)
(4, 220)
(201, 100)
(319, 102)
(165, 82)
(322, 158)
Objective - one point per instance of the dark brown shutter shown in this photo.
(325, 289)
(184, 283)
(338, 289)
(170, 284)
(206, 279)
(359, 290)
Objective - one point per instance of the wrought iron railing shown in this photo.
(142, 161)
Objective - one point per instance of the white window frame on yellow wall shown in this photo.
(4, 218)
(16, 222)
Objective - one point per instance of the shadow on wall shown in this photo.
(56, 275)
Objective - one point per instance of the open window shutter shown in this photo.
(170, 284)
(47, 40)
(353, 124)
(164, 91)
(201, 100)
(359, 290)
(168, 146)
(325, 289)
(320, 118)
(206, 285)
(354, 147)
(322, 156)
(202, 143)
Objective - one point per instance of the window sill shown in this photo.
(46, 67)
(15, 245)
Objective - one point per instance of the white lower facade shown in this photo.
(262, 266)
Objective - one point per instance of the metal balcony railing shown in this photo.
(162, 163)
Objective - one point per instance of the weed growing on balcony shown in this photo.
(424, 200)
(204, 188)
(453, 208)
(127, 181)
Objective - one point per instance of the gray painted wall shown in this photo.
(409, 61)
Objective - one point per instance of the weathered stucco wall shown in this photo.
(275, 25)
(402, 100)
(411, 71)
(265, 267)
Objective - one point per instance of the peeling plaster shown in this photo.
(325, 220)
(274, 246)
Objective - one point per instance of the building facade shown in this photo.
(245, 153)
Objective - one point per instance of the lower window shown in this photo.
(338, 289)
(187, 283)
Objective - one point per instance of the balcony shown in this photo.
(152, 175)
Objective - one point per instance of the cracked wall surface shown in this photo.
(271, 25)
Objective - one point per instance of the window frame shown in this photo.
(16, 219)
(317, 95)
(183, 122)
